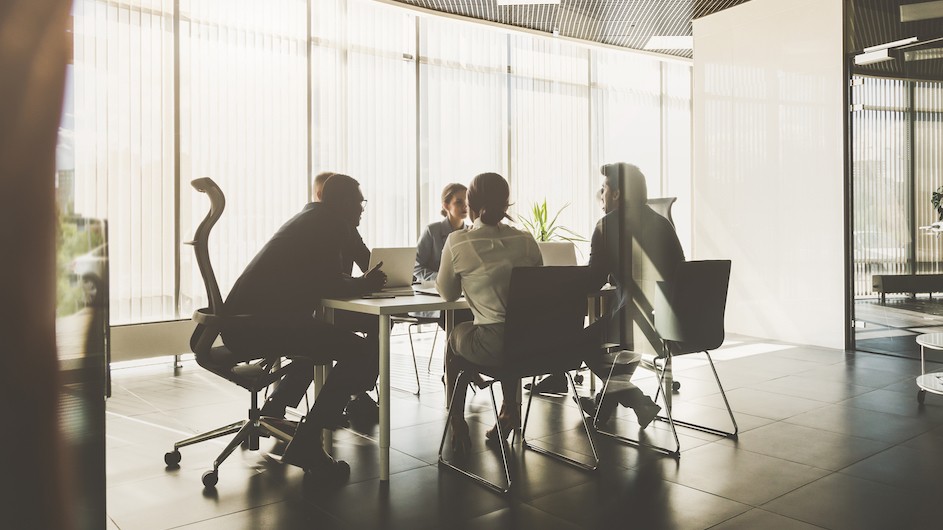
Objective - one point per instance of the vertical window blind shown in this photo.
(897, 130)
(404, 103)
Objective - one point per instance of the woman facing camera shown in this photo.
(478, 261)
(429, 249)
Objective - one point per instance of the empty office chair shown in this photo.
(689, 318)
(253, 376)
(545, 315)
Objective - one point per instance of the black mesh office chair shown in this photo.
(689, 318)
(253, 376)
(545, 315)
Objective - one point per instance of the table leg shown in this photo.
(384, 391)
(321, 371)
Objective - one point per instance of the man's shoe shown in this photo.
(552, 384)
(315, 461)
(362, 408)
(591, 409)
(646, 413)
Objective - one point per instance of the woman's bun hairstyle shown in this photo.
(488, 195)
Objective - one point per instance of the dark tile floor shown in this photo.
(828, 440)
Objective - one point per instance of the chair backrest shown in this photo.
(689, 310)
(202, 339)
(201, 238)
(662, 206)
(546, 310)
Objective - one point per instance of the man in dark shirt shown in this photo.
(633, 247)
(302, 263)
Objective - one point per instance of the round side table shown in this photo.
(932, 382)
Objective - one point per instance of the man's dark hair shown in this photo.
(629, 180)
(338, 189)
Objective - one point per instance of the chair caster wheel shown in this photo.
(921, 396)
(172, 458)
(210, 478)
(676, 385)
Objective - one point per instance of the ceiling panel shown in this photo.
(626, 23)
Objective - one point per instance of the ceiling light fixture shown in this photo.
(670, 42)
(882, 52)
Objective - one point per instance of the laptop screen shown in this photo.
(557, 253)
(397, 264)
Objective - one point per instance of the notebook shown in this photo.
(398, 265)
(557, 253)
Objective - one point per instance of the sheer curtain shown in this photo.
(463, 108)
(124, 149)
(364, 109)
(549, 124)
(260, 96)
(243, 122)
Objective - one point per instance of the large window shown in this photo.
(262, 96)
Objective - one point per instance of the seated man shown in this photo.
(362, 405)
(302, 263)
(633, 247)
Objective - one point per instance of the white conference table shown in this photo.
(384, 308)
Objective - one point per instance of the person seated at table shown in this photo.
(299, 265)
(478, 261)
(361, 405)
(652, 254)
(429, 249)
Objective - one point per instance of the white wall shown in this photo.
(768, 165)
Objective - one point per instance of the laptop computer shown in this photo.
(398, 265)
(557, 253)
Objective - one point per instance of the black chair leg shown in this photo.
(660, 375)
(554, 454)
(504, 459)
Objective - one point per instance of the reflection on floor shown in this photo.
(892, 327)
(828, 440)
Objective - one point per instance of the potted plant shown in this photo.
(543, 228)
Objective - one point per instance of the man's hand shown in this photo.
(374, 279)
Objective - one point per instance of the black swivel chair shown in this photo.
(253, 376)
(689, 318)
(545, 315)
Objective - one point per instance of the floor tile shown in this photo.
(844, 502)
(740, 475)
(763, 404)
(804, 445)
(863, 423)
(757, 518)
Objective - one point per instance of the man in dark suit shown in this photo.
(302, 263)
(633, 247)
